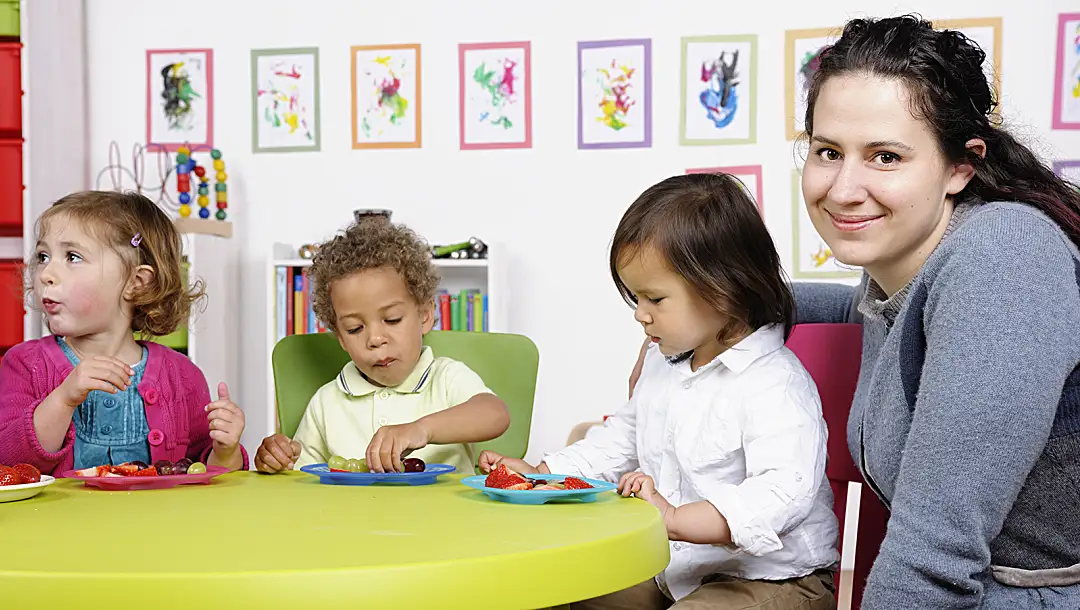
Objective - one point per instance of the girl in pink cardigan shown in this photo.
(107, 264)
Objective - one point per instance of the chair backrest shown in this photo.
(507, 363)
(832, 354)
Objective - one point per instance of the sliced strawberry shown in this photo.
(87, 472)
(576, 483)
(27, 473)
(548, 487)
(505, 478)
(338, 470)
(8, 476)
(125, 469)
(146, 472)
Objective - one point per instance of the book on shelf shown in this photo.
(465, 310)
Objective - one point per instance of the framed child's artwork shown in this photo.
(495, 95)
(812, 257)
(986, 32)
(802, 55)
(615, 94)
(749, 175)
(285, 100)
(179, 98)
(1067, 73)
(719, 90)
(386, 109)
(1069, 170)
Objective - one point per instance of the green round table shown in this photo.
(287, 541)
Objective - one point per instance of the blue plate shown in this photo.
(540, 496)
(326, 477)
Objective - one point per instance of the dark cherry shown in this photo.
(163, 467)
(181, 466)
(413, 465)
(538, 482)
(140, 464)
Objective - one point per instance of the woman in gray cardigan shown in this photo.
(966, 420)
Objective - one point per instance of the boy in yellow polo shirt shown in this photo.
(374, 288)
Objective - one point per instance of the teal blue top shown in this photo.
(110, 428)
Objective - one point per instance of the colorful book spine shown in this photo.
(455, 313)
(485, 325)
(299, 323)
(444, 311)
(281, 301)
(312, 322)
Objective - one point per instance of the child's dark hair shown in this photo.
(369, 244)
(709, 231)
(942, 71)
(115, 219)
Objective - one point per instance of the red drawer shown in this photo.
(11, 188)
(10, 88)
(11, 304)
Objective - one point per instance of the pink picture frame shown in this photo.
(493, 110)
(1061, 50)
(189, 118)
(740, 171)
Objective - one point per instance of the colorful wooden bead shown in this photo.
(220, 187)
(215, 153)
(204, 212)
(200, 171)
(185, 210)
(219, 165)
(220, 214)
(203, 201)
(222, 176)
(185, 198)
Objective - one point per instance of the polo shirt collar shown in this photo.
(352, 382)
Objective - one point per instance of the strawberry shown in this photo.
(504, 478)
(125, 469)
(27, 473)
(521, 486)
(146, 472)
(8, 476)
(576, 483)
(87, 472)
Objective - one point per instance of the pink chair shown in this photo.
(832, 354)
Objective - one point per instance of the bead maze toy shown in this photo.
(185, 167)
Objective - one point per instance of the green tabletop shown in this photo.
(287, 541)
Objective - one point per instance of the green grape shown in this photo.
(355, 465)
(337, 462)
(196, 468)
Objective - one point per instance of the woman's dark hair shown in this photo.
(942, 71)
(708, 230)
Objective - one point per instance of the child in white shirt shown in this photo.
(724, 432)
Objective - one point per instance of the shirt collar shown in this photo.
(740, 356)
(352, 382)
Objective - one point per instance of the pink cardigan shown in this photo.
(173, 390)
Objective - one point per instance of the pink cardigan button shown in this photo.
(150, 395)
(156, 437)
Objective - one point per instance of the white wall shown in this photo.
(554, 207)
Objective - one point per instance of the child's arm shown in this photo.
(226, 422)
(197, 406)
(20, 401)
(697, 522)
(478, 419)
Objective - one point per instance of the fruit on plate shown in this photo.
(413, 465)
(575, 483)
(181, 466)
(505, 478)
(336, 463)
(356, 465)
(141, 469)
(196, 468)
(8, 476)
(163, 467)
(27, 473)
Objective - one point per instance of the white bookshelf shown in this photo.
(485, 274)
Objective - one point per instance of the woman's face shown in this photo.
(876, 184)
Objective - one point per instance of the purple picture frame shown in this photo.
(646, 44)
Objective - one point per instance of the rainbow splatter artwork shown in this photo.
(495, 95)
(615, 94)
(285, 90)
(386, 96)
(719, 77)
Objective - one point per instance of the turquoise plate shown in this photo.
(541, 496)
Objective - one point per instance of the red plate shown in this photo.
(158, 482)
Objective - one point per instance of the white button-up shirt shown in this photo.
(744, 432)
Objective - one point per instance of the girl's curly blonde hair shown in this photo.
(115, 219)
(370, 244)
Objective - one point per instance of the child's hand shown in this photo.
(391, 443)
(226, 423)
(98, 373)
(277, 453)
(489, 460)
(641, 485)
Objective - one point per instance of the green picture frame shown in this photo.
(285, 100)
(727, 125)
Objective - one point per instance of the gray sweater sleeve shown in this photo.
(821, 302)
(1000, 325)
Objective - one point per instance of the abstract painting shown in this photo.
(179, 98)
(615, 94)
(749, 175)
(285, 100)
(812, 257)
(986, 32)
(495, 95)
(802, 55)
(719, 90)
(386, 111)
(1067, 73)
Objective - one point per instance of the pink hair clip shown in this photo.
(135, 241)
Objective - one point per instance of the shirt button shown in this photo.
(109, 402)
(106, 430)
(677, 546)
(382, 421)
(686, 386)
(384, 395)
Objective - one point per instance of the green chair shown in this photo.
(507, 363)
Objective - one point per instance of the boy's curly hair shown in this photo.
(370, 244)
(115, 218)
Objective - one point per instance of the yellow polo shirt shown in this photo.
(344, 414)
